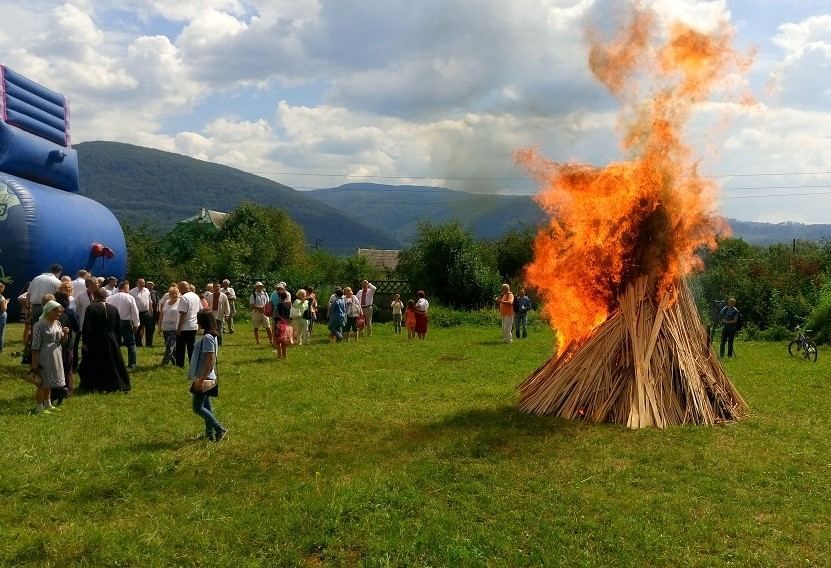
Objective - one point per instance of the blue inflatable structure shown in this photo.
(43, 220)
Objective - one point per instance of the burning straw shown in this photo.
(611, 262)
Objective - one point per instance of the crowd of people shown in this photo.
(81, 325)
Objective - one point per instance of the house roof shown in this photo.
(216, 218)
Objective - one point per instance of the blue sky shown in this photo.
(436, 92)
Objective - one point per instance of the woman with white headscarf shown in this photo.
(47, 360)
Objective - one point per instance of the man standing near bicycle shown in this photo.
(729, 317)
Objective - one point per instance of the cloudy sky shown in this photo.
(433, 92)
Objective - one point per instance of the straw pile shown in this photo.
(648, 364)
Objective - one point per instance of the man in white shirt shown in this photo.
(219, 307)
(79, 285)
(189, 306)
(257, 302)
(125, 304)
(40, 286)
(141, 294)
(367, 295)
(110, 288)
(232, 303)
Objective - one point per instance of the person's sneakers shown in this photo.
(221, 435)
(132, 367)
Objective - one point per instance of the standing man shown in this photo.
(110, 288)
(218, 305)
(189, 305)
(154, 312)
(41, 285)
(729, 317)
(142, 297)
(79, 285)
(258, 319)
(506, 310)
(125, 304)
(367, 296)
(232, 303)
(522, 305)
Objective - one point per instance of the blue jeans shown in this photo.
(128, 338)
(521, 324)
(203, 407)
(3, 317)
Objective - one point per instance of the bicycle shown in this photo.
(802, 345)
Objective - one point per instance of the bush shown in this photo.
(775, 333)
(750, 332)
(820, 318)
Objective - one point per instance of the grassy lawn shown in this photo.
(389, 453)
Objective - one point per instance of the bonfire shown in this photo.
(611, 262)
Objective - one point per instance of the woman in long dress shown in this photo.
(47, 359)
(102, 364)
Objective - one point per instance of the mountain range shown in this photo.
(157, 189)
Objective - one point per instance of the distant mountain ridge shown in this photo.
(397, 210)
(156, 188)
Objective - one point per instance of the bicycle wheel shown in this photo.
(811, 351)
(794, 347)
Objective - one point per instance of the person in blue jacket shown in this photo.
(522, 305)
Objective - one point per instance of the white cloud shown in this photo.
(803, 79)
(188, 10)
(444, 89)
(210, 28)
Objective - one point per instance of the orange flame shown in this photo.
(647, 215)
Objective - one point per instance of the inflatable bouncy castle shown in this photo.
(43, 220)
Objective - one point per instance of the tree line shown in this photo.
(776, 287)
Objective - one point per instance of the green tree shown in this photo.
(145, 256)
(513, 251)
(257, 240)
(450, 265)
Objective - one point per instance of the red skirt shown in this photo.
(421, 323)
(283, 332)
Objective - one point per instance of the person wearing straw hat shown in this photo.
(47, 360)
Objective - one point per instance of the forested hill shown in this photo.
(147, 186)
(397, 210)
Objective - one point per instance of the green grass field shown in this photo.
(396, 453)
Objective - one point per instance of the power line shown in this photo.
(778, 187)
(508, 178)
(777, 195)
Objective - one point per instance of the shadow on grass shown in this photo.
(166, 445)
(506, 419)
(18, 405)
(489, 433)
